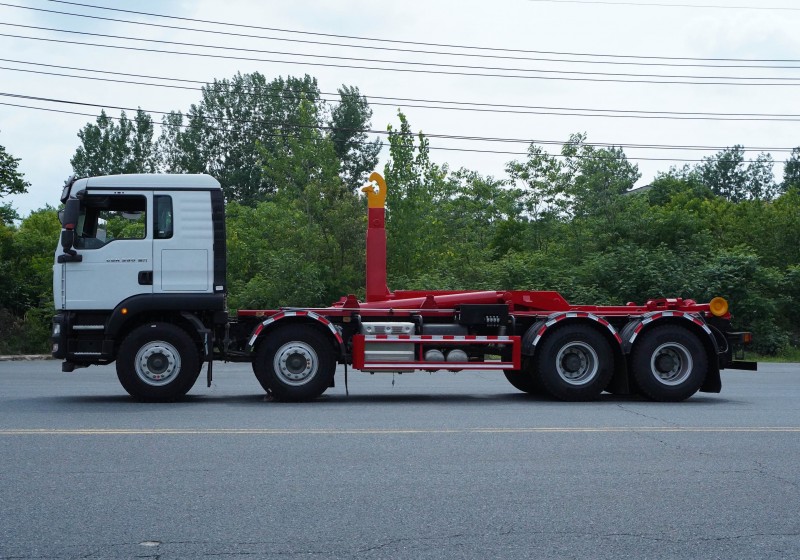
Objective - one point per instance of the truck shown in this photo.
(151, 295)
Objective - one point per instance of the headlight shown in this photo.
(56, 329)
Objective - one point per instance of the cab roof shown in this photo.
(148, 181)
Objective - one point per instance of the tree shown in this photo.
(349, 122)
(727, 175)
(761, 178)
(237, 129)
(416, 186)
(109, 148)
(791, 171)
(26, 264)
(11, 180)
(538, 192)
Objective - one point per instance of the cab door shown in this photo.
(183, 244)
(115, 241)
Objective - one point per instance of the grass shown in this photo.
(791, 354)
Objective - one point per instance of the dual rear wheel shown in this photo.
(576, 363)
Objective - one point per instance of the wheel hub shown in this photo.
(157, 363)
(296, 363)
(665, 363)
(671, 363)
(572, 363)
(577, 363)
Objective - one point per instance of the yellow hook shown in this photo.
(376, 196)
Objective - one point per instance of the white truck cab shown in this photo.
(135, 249)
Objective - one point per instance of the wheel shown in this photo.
(669, 363)
(158, 362)
(575, 363)
(295, 363)
(524, 379)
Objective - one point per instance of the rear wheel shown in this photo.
(158, 362)
(575, 363)
(669, 363)
(295, 363)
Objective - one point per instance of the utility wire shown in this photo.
(425, 103)
(387, 40)
(398, 49)
(423, 71)
(401, 62)
(442, 148)
(385, 133)
(662, 5)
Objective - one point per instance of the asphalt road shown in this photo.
(416, 466)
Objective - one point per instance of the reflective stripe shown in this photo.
(661, 314)
(575, 315)
(284, 314)
(435, 338)
(435, 365)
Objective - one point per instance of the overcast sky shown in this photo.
(45, 141)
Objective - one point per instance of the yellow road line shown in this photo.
(387, 431)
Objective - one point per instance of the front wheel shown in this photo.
(669, 363)
(295, 363)
(575, 363)
(158, 362)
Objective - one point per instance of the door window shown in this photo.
(104, 219)
(162, 217)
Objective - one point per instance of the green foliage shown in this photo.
(348, 123)
(26, 279)
(727, 175)
(791, 171)
(246, 132)
(278, 256)
(418, 186)
(11, 182)
(111, 148)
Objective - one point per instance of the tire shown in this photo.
(158, 362)
(295, 363)
(575, 363)
(669, 363)
(524, 379)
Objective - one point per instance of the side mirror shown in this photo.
(69, 219)
(71, 212)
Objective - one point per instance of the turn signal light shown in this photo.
(718, 307)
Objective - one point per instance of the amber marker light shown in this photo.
(124, 311)
(718, 307)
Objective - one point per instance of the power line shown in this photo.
(403, 62)
(385, 133)
(470, 150)
(662, 5)
(405, 50)
(403, 42)
(416, 103)
(418, 70)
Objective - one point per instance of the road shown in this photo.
(411, 466)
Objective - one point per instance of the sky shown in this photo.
(543, 56)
